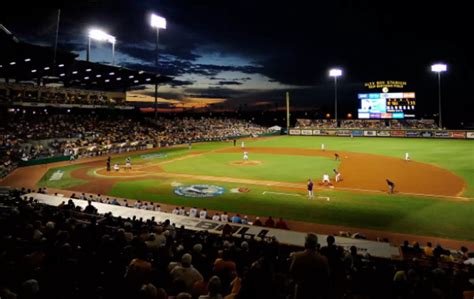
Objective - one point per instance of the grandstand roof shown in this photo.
(26, 62)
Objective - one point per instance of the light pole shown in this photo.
(100, 35)
(335, 73)
(158, 23)
(439, 68)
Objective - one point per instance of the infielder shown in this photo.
(116, 167)
(407, 156)
(322, 146)
(128, 163)
(246, 156)
(338, 175)
(242, 144)
(326, 179)
(310, 189)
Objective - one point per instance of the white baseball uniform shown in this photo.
(407, 156)
(246, 156)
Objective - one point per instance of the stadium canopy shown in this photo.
(27, 63)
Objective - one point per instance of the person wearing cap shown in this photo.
(186, 272)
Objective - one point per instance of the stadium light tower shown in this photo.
(158, 23)
(100, 35)
(439, 68)
(335, 73)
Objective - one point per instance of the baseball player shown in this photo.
(116, 167)
(108, 164)
(391, 186)
(336, 156)
(310, 189)
(246, 156)
(326, 180)
(190, 145)
(128, 163)
(407, 156)
(338, 175)
(323, 147)
(242, 144)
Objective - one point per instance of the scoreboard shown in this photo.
(390, 105)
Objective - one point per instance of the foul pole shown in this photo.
(287, 111)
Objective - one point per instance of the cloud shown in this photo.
(229, 83)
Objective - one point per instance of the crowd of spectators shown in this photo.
(428, 124)
(57, 95)
(316, 123)
(27, 137)
(379, 124)
(70, 252)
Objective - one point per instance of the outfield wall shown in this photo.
(445, 134)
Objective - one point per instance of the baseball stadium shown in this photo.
(113, 188)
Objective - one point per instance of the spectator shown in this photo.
(310, 271)
(281, 224)
(186, 272)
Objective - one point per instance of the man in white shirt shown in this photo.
(216, 217)
(182, 211)
(193, 212)
(203, 214)
(175, 211)
(326, 179)
(225, 217)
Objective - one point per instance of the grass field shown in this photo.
(396, 213)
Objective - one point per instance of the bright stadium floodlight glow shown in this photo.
(61, 65)
(335, 72)
(27, 59)
(33, 71)
(111, 73)
(74, 72)
(100, 35)
(12, 63)
(46, 68)
(439, 67)
(158, 22)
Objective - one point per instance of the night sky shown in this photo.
(248, 53)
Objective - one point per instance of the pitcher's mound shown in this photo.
(246, 163)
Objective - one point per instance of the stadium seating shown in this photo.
(67, 252)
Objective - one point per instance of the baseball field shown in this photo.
(434, 191)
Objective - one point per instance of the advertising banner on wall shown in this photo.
(370, 133)
(457, 134)
(331, 132)
(307, 132)
(442, 134)
(295, 132)
(344, 133)
(397, 133)
(357, 133)
(426, 134)
(383, 133)
(413, 134)
(470, 135)
(316, 132)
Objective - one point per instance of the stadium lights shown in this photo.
(61, 65)
(439, 68)
(158, 23)
(335, 73)
(33, 71)
(98, 76)
(46, 68)
(88, 70)
(107, 80)
(27, 59)
(74, 72)
(62, 75)
(100, 35)
(12, 63)
(111, 73)
(130, 77)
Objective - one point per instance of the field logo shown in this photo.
(57, 175)
(199, 191)
(240, 190)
